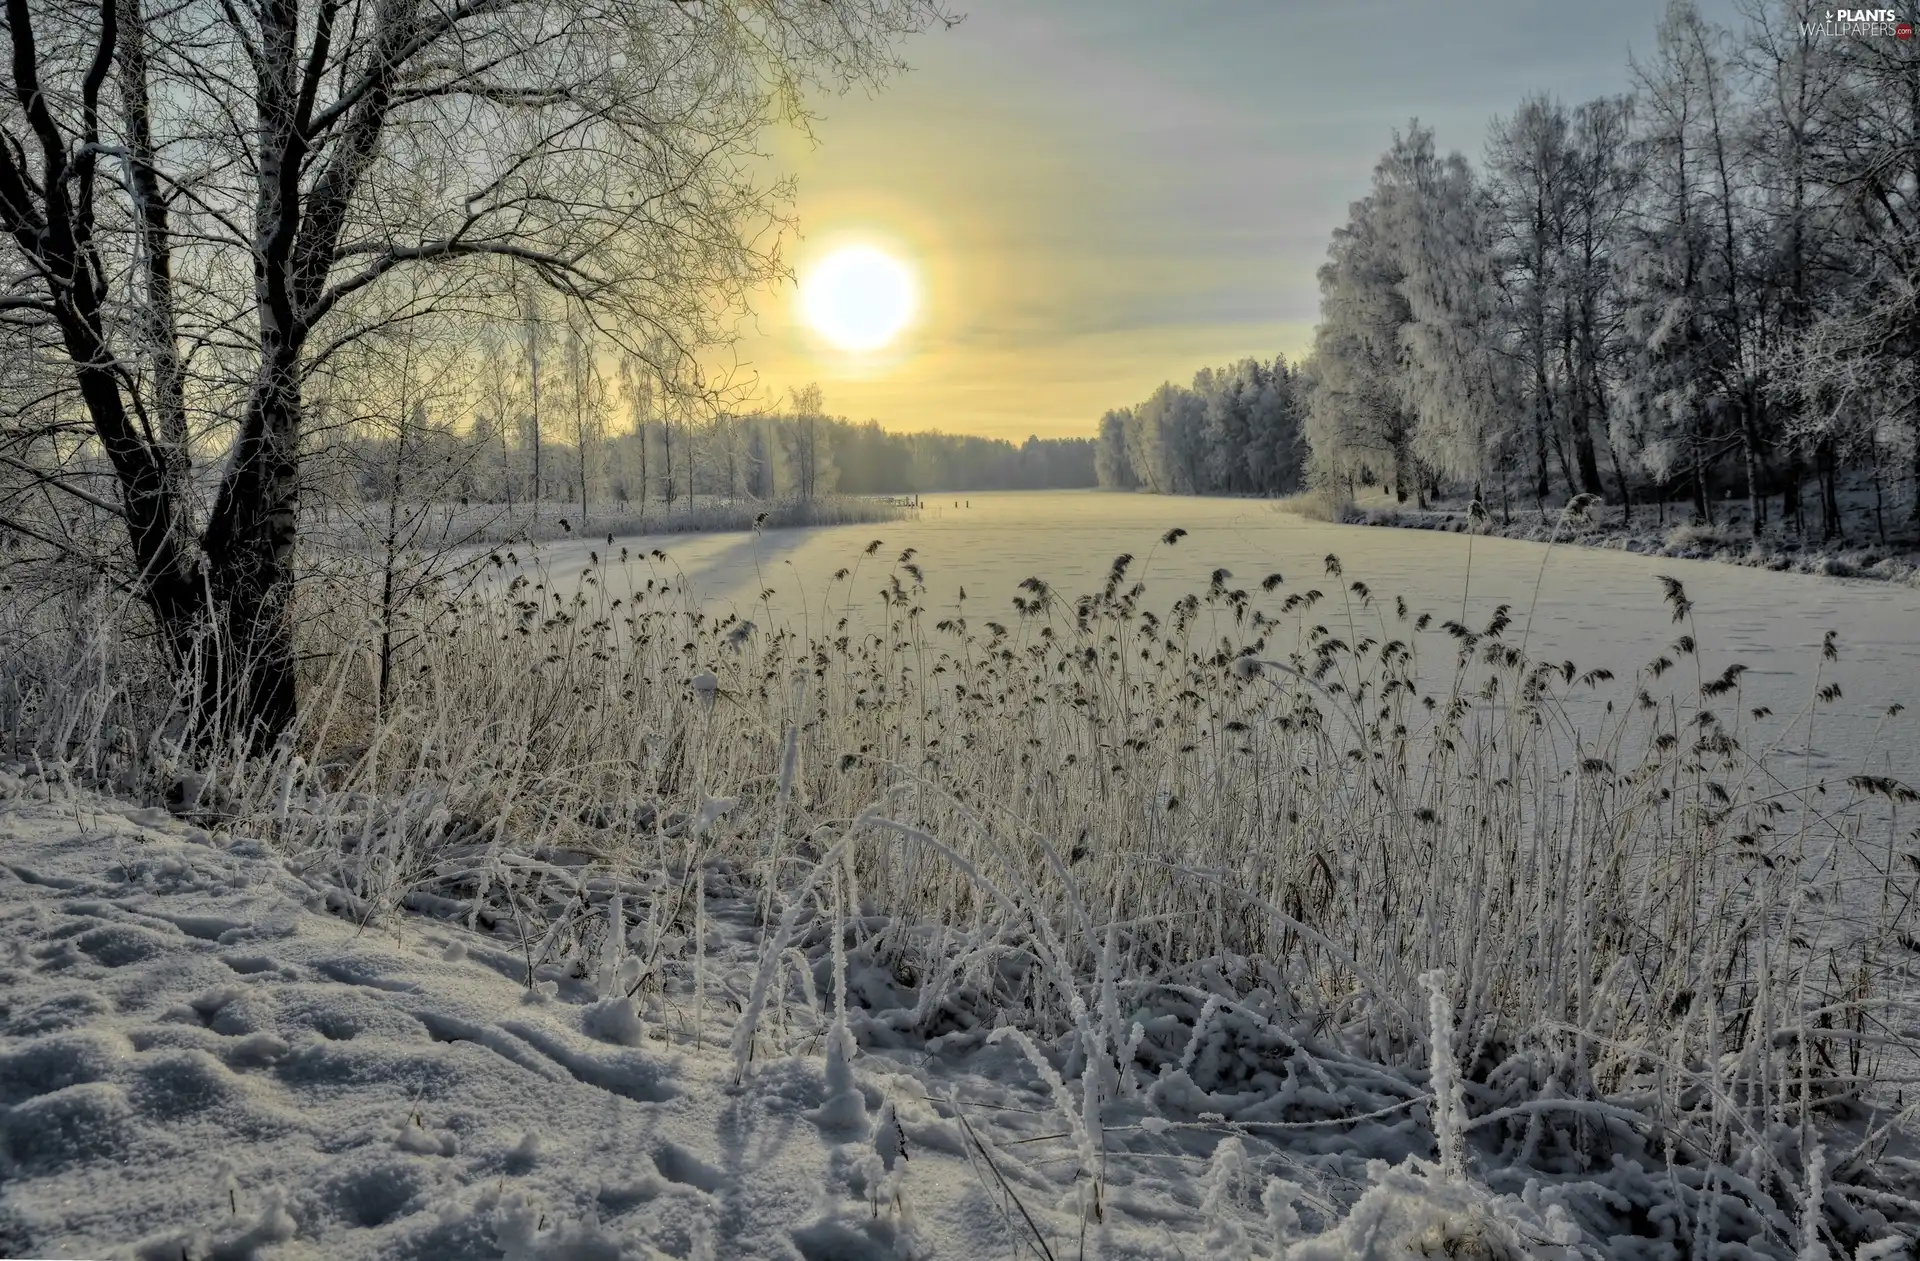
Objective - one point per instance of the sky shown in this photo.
(1095, 196)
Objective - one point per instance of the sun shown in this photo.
(858, 298)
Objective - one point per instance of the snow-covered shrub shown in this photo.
(1413, 1211)
(1328, 503)
(1700, 536)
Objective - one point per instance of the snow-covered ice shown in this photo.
(1594, 607)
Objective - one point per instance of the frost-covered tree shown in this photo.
(1668, 303)
(1704, 288)
(1796, 77)
(1111, 464)
(1357, 419)
(1868, 329)
(1604, 180)
(1235, 431)
(1276, 448)
(1528, 159)
(1226, 398)
(1171, 424)
(279, 177)
(1738, 374)
(1454, 376)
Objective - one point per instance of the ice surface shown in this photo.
(1596, 607)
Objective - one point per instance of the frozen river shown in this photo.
(1597, 608)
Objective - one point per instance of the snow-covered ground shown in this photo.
(203, 1055)
(1598, 608)
(1862, 554)
(208, 1052)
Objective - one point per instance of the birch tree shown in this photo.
(1357, 418)
(245, 174)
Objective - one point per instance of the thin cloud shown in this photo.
(1106, 193)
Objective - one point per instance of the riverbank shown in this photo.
(1897, 560)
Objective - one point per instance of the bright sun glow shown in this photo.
(858, 298)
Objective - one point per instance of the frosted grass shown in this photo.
(1148, 821)
(1598, 608)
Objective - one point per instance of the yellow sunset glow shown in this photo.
(858, 298)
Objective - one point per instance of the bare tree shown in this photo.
(1797, 76)
(637, 385)
(586, 399)
(1528, 159)
(534, 330)
(309, 149)
(807, 407)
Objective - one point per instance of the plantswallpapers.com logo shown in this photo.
(1863, 23)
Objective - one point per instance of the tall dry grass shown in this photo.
(1310, 803)
(1328, 503)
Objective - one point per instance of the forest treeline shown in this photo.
(585, 451)
(1703, 289)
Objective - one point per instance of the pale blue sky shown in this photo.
(1102, 194)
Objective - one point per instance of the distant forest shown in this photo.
(871, 461)
(657, 457)
(1704, 290)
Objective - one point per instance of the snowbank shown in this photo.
(1726, 544)
(198, 1059)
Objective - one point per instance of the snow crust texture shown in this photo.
(199, 1059)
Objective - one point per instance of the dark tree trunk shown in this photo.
(1702, 501)
(1582, 422)
(1588, 461)
(1831, 526)
(162, 543)
(1753, 455)
(248, 679)
(1879, 496)
(249, 541)
(1750, 453)
(1566, 467)
(1620, 480)
(1790, 505)
(1913, 463)
(1542, 487)
(156, 246)
(223, 607)
(50, 217)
